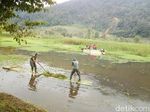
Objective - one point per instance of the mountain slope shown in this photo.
(133, 16)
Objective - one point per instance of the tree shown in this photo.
(8, 9)
(89, 33)
(96, 34)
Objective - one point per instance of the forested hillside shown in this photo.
(125, 18)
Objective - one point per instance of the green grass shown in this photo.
(12, 59)
(115, 50)
(9, 103)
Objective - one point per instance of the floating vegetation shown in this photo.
(58, 76)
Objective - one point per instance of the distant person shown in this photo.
(88, 46)
(102, 51)
(33, 65)
(75, 68)
(94, 46)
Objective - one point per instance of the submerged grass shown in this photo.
(58, 76)
(9, 103)
(114, 49)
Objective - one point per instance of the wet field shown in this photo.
(113, 84)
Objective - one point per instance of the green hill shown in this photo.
(67, 31)
(125, 18)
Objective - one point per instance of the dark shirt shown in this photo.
(33, 60)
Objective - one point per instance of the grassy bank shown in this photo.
(114, 50)
(9, 103)
(12, 58)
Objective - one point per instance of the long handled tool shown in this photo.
(43, 68)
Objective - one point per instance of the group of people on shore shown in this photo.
(92, 46)
(75, 66)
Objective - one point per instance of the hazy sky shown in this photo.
(61, 1)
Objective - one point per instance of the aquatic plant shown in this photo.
(58, 76)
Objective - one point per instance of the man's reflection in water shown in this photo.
(74, 88)
(33, 82)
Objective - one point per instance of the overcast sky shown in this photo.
(61, 1)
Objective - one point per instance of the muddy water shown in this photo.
(113, 84)
(128, 78)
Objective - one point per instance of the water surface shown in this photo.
(113, 84)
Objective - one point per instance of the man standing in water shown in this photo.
(75, 66)
(33, 61)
